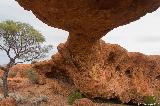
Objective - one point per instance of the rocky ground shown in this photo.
(29, 90)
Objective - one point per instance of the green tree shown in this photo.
(22, 43)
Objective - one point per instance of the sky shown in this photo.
(139, 36)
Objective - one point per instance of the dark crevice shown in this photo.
(158, 77)
(112, 101)
(103, 100)
(130, 103)
(128, 73)
(118, 68)
(59, 75)
(111, 57)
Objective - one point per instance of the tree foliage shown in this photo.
(21, 41)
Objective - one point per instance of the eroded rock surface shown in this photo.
(83, 102)
(8, 102)
(128, 76)
(96, 68)
(89, 18)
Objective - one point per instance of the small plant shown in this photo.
(16, 96)
(33, 76)
(12, 74)
(19, 98)
(150, 100)
(38, 100)
(74, 95)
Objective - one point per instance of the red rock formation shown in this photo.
(96, 68)
(8, 102)
(83, 102)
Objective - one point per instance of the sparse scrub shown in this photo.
(19, 98)
(74, 95)
(16, 96)
(33, 76)
(12, 74)
(150, 100)
(38, 100)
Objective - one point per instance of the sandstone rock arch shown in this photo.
(99, 69)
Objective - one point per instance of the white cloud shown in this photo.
(140, 36)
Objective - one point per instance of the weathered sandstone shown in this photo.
(8, 102)
(99, 69)
(83, 102)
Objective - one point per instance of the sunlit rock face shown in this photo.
(93, 18)
(99, 69)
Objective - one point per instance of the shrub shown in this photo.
(12, 74)
(38, 100)
(74, 95)
(16, 96)
(19, 98)
(150, 100)
(33, 76)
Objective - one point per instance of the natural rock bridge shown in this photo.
(97, 68)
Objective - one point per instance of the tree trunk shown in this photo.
(5, 83)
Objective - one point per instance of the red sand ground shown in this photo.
(29, 94)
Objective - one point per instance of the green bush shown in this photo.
(74, 95)
(33, 76)
(150, 100)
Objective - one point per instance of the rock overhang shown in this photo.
(99, 69)
(93, 18)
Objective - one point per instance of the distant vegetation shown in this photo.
(21, 43)
(74, 95)
(33, 76)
